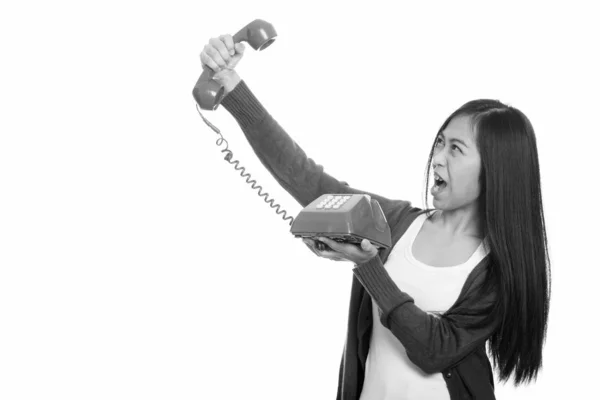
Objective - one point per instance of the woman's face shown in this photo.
(457, 162)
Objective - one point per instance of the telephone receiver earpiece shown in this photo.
(259, 35)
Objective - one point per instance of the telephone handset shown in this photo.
(341, 217)
(208, 93)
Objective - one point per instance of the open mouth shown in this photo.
(440, 183)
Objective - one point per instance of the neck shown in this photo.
(459, 222)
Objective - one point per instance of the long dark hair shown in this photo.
(512, 221)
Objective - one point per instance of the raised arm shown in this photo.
(298, 174)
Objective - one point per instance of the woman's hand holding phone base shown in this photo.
(357, 254)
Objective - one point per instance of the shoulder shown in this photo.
(404, 214)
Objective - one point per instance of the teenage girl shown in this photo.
(479, 258)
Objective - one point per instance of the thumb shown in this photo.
(239, 48)
(366, 245)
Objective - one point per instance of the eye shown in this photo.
(438, 140)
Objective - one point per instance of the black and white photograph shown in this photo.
(383, 200)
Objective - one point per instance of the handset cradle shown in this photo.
(259, 34)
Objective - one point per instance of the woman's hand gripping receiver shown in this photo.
(208, 93)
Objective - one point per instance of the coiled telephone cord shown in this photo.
(242, 170)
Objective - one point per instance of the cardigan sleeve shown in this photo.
(287, 162)
(432, 342)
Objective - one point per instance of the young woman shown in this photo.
(472, 271)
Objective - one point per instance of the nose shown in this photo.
(438, 159)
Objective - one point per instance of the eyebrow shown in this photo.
(454, 140)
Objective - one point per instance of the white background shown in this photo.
(137, 264)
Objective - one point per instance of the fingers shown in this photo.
(221, 53)
(211, 55)
(221, 50)
(216, 53)
(228, 40)
(335, 246)
(205, 59)
(363, 251)
(240, 48)
(367, 246)
(332, 255)
(357, 253)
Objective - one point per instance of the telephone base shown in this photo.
(344, 217)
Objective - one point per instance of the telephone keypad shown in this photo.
(333, 201)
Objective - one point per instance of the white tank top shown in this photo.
(390, 375)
